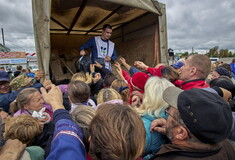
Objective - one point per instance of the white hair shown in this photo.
(153, 97)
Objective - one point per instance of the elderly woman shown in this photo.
(29, 101)
(151, 109)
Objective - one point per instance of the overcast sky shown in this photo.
(198, 24)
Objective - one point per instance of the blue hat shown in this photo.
(4, 76)
(178, 65)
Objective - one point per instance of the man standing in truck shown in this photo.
(103, 50)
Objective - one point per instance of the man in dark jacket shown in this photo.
(198, 125)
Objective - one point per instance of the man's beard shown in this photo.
(169, 133)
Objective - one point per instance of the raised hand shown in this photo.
(98, 65)
(107, 58)
(159, 126)
(82, 53)
(92, 68)
(141, 65)
(53, 97)
(122, 60)
(47, 84)
(39, 74)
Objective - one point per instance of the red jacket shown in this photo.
(197, 83)
(155, 71)
(185, 85)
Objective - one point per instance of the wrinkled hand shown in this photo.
(107, 58)
(92, 68)
(122, 60)
(47, 84)
(117, 65)
(96, 78)
(159, 125)
(12, 149)
(53, 97)
(82, 53)
(118, 68)
(39, 74)
(141, 65)
(89, 78)
(98, 65)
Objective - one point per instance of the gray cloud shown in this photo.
(16, 20)
(200, 24)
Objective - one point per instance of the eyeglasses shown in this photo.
(178, 123)
(166, 111)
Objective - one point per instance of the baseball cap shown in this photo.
(178, 65)
(4, 76)
(207, 116)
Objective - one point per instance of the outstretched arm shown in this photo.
(141, 65)
(119, 70)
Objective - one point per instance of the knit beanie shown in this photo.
(223, 72)
(139, 79)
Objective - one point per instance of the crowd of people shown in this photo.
(161, 112)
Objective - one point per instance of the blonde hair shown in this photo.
(152, 100)
(121, 87)
(107, 94)
(82, 115)
(23, 127)
(80, 76)
(117, 132)
(22, 99)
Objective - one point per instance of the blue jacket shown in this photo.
(67, 142)
(6, 99)
(30, 75)
(154, 140)
(233, 69)
(91, 44)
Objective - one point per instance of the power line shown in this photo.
(15, 45)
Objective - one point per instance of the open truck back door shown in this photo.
(62, 26)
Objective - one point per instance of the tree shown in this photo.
(230, 54)
(213, 52)
(185, 54)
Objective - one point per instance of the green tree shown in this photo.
(185, 54)
(230, 54)
(213, 52)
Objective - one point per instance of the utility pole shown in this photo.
(3, 41)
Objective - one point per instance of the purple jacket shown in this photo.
(24, 111)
